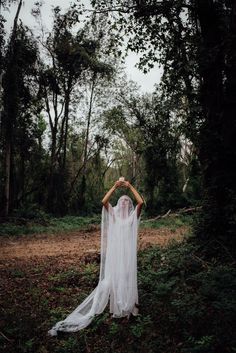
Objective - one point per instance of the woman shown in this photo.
(118, 267)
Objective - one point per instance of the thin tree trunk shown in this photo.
(66, 118)
(22, 178)
(9, 118)
(51, 189)
(54, 128)
(84, 169)
(7, 178)
(88, 124)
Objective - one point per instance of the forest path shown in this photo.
(79, 244)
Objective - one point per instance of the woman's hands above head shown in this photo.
(121, 183)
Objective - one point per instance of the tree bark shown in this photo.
(217, 140)
(10, 112)
(66, 119)
(84, 168)
(88, 124)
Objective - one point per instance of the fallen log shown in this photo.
(174, 214)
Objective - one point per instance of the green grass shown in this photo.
(183, 300)
(168, 222)
(43, 223)
(53, 225)
(86, 276)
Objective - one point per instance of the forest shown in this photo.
(71, 123)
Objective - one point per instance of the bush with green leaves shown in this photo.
(187, 305)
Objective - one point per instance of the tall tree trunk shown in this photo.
(10, 111)
(88, 124)
(218, 142)
(66, 118)
(51, 188)
(21, 186)
(84, 169)
(64, 196)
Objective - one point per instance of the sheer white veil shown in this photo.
(118, 269)
(124, 207)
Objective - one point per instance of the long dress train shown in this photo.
(118, 269)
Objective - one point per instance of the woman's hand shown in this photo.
(120, 183)
(127, 184)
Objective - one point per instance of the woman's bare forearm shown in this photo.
(107, 197)
(137, 196)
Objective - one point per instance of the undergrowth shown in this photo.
(20, 226)
(171, 222)
(46, 224)
(187, 305)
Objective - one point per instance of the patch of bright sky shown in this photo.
(145, 81)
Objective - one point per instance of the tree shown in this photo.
(217, 66)
(195, 42)
(22, 90)
(149, 148)
(73, 61)
(10, 110)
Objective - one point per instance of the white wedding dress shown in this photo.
(118, 269)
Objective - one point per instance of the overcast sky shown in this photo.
(146, 81)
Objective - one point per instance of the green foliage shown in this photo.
(17, 273)
(183, 301)
(73, 222)
(189, 298)
(57, 313)
(98, 321)
(187, 305)
(150, 134)
(43, 223)
(31, 212)
(86, 277)
(137, 135)
(32, 220)
(199, 85)
(67, 346)
(114, 328)
(140, 326)
(169, 222)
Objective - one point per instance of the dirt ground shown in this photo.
(73, 245)
(41, 281)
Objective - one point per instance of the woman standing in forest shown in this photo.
(118, 264)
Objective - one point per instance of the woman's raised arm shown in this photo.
(107, 197)
(137, 196)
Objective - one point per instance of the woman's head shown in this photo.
(124, 206)
(124, 201)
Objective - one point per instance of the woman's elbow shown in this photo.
(104, 202)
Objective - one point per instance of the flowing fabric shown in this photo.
(118, 269)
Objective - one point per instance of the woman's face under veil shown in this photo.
(124, 206)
